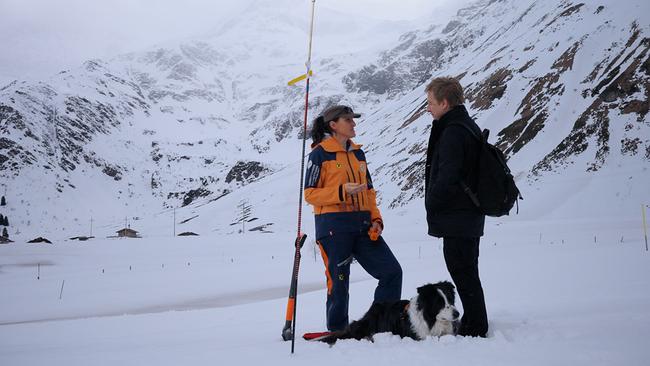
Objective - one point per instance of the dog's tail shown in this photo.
(347, 333)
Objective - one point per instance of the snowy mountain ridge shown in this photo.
(563, 86)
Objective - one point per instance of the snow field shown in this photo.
(579, 303)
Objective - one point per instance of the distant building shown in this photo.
(127, 233)
(82, 238)
(40, 239)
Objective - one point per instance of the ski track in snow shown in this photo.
(220, 301)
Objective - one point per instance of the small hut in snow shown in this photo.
(127, 233)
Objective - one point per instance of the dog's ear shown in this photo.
(421, 288)
(448, 285)
(426, 289)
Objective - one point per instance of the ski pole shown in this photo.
(290, 324)
(289, 330)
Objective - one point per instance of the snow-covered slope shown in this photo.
(563, 86)
(221, 299)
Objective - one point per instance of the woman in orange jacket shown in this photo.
(348, 222)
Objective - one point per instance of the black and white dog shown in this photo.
(430, 313)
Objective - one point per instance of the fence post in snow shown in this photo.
(645, 226)
(61, 293)
(38, 272)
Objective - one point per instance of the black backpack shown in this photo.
(496, 191)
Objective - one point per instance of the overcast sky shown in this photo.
(42, 37)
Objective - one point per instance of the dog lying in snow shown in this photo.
(430, 313)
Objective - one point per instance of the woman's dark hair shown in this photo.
(318, 129)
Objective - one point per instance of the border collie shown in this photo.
(430, 313)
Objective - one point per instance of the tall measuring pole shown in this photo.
(289, 330)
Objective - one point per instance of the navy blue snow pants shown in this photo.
(374, 256)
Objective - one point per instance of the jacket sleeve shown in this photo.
(315, 193)
(375, 215)
(451, 154)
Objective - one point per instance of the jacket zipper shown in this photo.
(363, 193)
(347, 155)
(348, 175)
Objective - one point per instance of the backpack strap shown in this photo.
(471, 132)
(471, 194)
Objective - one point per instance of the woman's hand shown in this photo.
(354, 188)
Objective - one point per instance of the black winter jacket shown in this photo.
(452, 156)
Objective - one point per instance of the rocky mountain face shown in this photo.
(562, 86)
(158, 129)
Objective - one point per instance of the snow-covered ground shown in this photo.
(570, 292)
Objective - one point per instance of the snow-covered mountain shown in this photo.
(205, 124)
(562, 86)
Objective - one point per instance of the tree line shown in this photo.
(4, 220)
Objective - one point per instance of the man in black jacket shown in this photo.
(452, 157)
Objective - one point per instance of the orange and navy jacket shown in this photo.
(329, 167)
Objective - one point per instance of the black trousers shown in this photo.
(461, 257)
